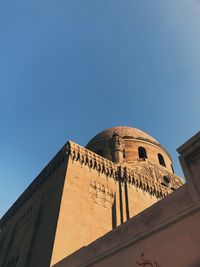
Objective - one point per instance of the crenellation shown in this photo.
(91, 159)
(147, 184)
(111, 169)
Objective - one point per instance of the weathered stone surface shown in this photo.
(166, 234)
(80, 196)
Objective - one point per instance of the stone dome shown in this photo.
(124, 132)
(130, 146)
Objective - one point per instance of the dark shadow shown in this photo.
(9, 245)
(120, 201)
(36, 226)
(197, 264)
(161, 160)
(114, 217)
(142, 153)
(126, 200)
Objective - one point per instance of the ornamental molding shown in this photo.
(117, 172)
(101, 194)
(86, 157)
(144, 170)
(91, 159)
(117, 143)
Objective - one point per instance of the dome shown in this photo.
(130, 145)
(124, 132)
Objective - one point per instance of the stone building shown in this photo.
(165, 235)
(84, 193)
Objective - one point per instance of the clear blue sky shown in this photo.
(69, 69)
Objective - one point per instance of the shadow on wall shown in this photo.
(114, 207)
(114, 217)
(197, 264)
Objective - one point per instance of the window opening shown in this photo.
(161, 160)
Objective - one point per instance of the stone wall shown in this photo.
(28, 228)
(166, 234)
(77, 198)
(98, 195)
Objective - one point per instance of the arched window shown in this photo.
(142, 153)
(161, 160)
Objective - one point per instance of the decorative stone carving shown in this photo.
(132, 176)
(117, 143)
(101, 194)
(117, 146)
(144, 170)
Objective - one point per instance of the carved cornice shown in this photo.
(102, 165)
(157, 171)
(91, 159)
(144, 182)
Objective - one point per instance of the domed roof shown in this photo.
(124, 132)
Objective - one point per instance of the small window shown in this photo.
(124, 154)
(142, 153)
(172, 168)
(166, 179)
(161, 160)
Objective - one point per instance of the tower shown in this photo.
(84, 193)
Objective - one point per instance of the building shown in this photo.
(84, 193)
(165, 235)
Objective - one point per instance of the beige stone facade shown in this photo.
(165, 235)
(82, 194)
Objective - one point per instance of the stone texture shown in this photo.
(166, 234)
(80, 196)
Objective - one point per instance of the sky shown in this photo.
(70, 69)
